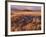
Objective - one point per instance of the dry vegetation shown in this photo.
(25, 21)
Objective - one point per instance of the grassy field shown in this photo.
(34, 25)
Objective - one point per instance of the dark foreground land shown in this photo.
(25, 21)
